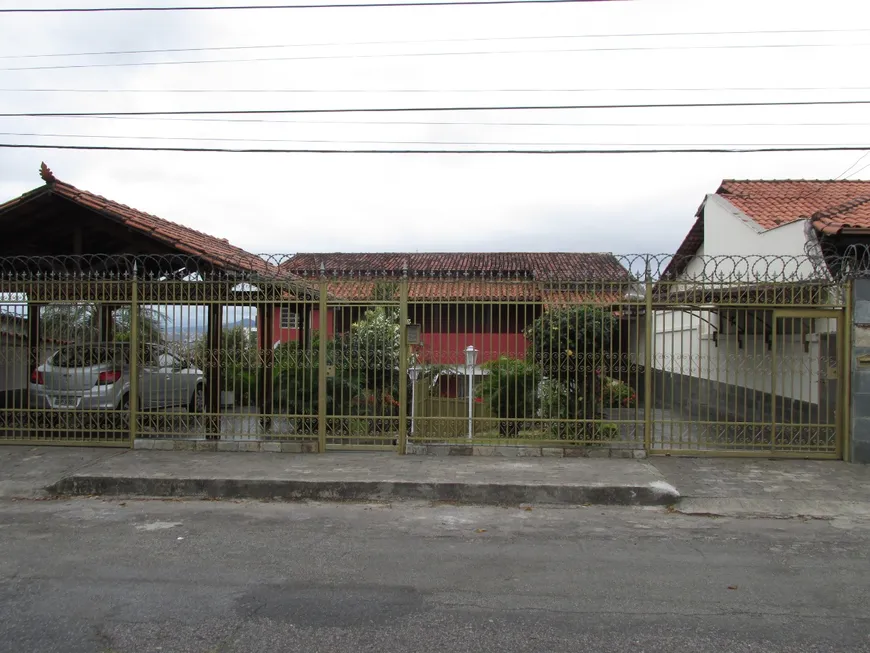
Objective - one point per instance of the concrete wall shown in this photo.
(15, 369)
(860, 368)
(683, 344)
(14, 365)
(693, 399)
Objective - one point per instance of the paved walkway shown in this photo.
(34, 471)
(773, 488)
(736, 487)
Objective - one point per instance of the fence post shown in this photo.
(403, 364)
(844, 374)
(266, 336)
(323, 338)
(133, 400)
(649, 326)
(29, 419)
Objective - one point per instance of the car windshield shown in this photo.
(87, 356)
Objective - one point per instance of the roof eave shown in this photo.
(29, 196)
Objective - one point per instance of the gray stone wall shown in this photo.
(693, 399)
(860, 366)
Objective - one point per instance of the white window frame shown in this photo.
(289, 320)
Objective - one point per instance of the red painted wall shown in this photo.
(292, 335)
(438, 348)
(449, 348)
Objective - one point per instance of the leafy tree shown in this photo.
(511, 390)
(367, 362)
(295, 385)
(81, 323)
(570, 345)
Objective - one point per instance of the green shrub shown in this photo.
(616, 394)
(510, 388)
(569, 346)
(607, 432)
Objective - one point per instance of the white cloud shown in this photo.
(285, 203)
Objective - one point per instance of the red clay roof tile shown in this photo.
(217, 251)
(830, 205)
(772, 203)
(551, 266)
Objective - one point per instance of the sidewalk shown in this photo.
(733, 487)
(32, 472)
(783, 488)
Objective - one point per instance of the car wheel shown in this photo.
(197, 401)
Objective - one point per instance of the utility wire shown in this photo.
(662, 105)
(198, 139)
(848, 170)
(382, 123)
(392, 55)
(861, 169)
(814, 191)
(418, 41)
(704, 150)
(719, 89)
(362, 5)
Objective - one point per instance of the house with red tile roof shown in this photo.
(74, 221)
(776, 217)
(459, 299)
(719, 362)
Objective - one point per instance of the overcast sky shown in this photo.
(343, 202)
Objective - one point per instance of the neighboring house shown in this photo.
(484, 300)
(719, 363)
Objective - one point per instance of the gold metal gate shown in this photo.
(364, 373)
(747, 380)
(707, 364)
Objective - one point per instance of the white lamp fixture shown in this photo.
(470, 362)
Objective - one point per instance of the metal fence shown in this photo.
(736, 355)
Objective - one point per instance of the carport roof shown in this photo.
(162, 234)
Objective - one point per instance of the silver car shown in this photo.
(97, 377)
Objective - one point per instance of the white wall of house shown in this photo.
(728, 232)
(683, 344)
(683, 340)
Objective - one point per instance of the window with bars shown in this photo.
(289, 319)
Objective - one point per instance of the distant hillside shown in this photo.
(248, 323)
(193, 331)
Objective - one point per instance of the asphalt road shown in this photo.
(208, 577)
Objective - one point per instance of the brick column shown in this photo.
(860, 367)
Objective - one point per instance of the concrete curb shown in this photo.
(652, 494)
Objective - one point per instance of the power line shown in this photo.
(846, 172)
(722, 89)
(424, 3)
(395, 142)
(861, 169)
(392, 55)
(662, 105)
(476, 123)
(455, 40)
(704, 150)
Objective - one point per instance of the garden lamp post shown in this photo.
(413, 375)
(470, 361)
